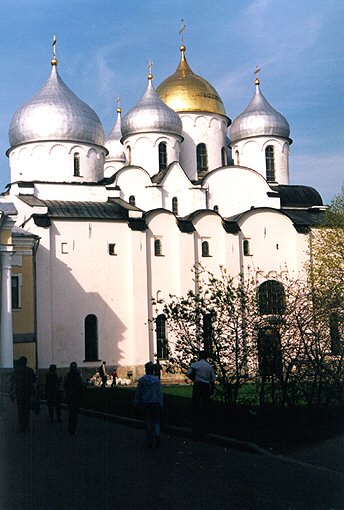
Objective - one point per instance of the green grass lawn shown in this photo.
(280, 429)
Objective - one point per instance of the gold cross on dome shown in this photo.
(182, 30)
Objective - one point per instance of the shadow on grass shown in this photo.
(279, 429)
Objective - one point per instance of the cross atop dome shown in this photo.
(257, 81)
(149, 67)
(54, 60)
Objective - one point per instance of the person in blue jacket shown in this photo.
(149, 398)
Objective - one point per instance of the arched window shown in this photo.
(162, 156)
(161, 337)
(205, 249)
(216, 208)
(271, 298)
(132, 200)
(76, 164)
(237, 157)
(202, 158)
(246, 246)
(208, 333)
(269, 351)
(270, 163)
(91, 338)
(334, 334)
(129, 154)
(223, 157)
(157, 247)
(175, 205)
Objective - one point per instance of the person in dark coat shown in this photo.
(23, 382)
(53, 384)
(73, 389)
(103, 374)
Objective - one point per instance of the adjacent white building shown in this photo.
(124, 218)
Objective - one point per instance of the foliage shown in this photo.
(287, 352)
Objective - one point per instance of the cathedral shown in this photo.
(95, 226)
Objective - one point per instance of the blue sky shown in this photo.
(103, 47)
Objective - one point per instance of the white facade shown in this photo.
(108, 246)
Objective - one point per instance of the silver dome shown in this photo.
(55, 113)
(151, 114)
(259, 118)
(113, 140)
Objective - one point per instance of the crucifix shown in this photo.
(182, 30)
(256, 73)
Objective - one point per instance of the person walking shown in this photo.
(23, 382)
(103, 374)
(149, 398)
(53, 384)
(203, 376)
(73, 389)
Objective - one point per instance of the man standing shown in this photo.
(53, 385)
(149, 397)
(203, 376)
(103, 374)
(22, 389)
(73, 389)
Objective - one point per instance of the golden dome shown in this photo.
(185, 91)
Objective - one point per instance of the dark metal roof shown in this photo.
(92, 210)
(298, 196)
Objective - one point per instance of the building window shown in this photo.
(271, 298)
(157, 247)
(223, 157)
(175, 205)
(205, 249)
(162, 156)
(16, 283)
(334, 334)
(161, 337)
(237, 157)
(132, 200)
(208, 333)
(216, 208)
(91, 338)
(129, 154)
(76, 164)
(112, 249)
(269, 352)
(202, 158)
(270, 163)
(246, 246)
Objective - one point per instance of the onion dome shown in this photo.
(151, 114)
(55, 113)
(185, 91)
(259, 119)
(113, 139)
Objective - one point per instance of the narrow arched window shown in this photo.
(334, 333)
(162, 156)
(208, 333)
(175, 205)
(129, 154)
(91, 338)
(246, 246)
(223, 157)
(76, 164)
(161, 337)
(132, 200)
(216, 208)
(270, 163)
(271, 298)
(202, 158)
(237, 157)
(205, 249)
(157, 247)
